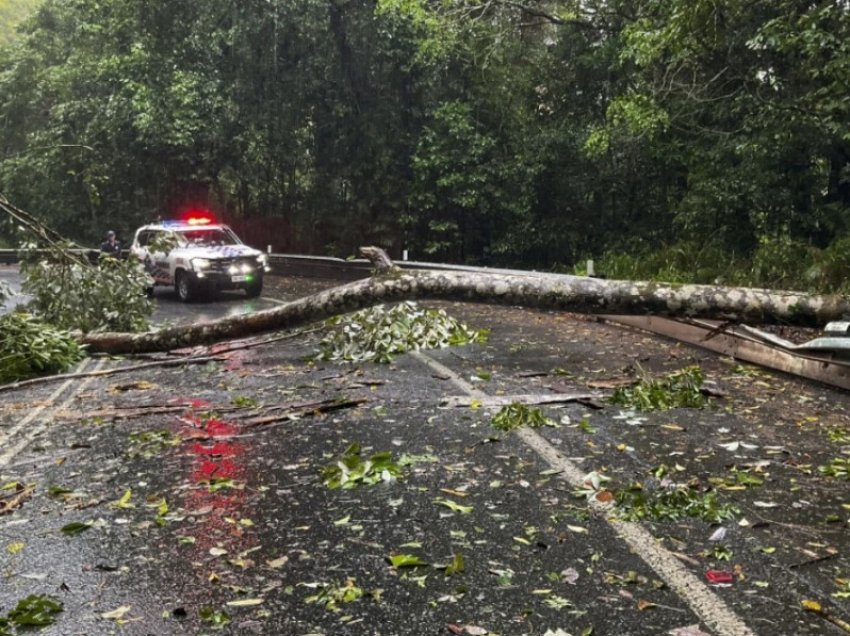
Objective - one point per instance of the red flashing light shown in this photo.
(198, 217)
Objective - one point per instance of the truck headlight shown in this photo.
(200, 264)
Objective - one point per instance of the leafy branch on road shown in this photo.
(69, 293)
(675, 390)
(199, 356)
(378, 333)
(74, 294)
(516, 414)
(32, 611)
(351, 470)
(30, 347)
(638, 504)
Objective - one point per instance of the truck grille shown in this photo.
(223, 265)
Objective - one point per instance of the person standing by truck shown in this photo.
(111, 245)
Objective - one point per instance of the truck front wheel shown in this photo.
(255, 287)
(187, 289)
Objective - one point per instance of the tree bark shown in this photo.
(566, 293)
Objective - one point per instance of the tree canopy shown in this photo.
(690, 140)
(12, 13)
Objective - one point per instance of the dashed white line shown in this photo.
(11, 451)
(703, 602)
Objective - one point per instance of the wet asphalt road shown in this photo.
(202, 513)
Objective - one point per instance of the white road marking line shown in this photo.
(274, 300)
(710, 608)
(5, 435)
(41, 425)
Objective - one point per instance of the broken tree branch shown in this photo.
(565, 293)
(173, 362)
(492, 401)
(296, 411)
(197, 357)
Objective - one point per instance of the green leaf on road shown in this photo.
(77, 527)
(457, 566)
(124, 502)
(406, 561)
(454, 507)
(215, 618)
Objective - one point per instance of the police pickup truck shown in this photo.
(197, 255)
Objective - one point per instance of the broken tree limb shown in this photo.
(566, 293)
(173, 362)
(198, 357)
(492, 401)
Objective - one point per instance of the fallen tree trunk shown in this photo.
(567, 293)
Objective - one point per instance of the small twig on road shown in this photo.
(801, 564)
(248, 343)
(300, 410)
(194, 358)
(13, 500)
(524, 398)
(792, 526)
(817, 608)
(92, 374)
(122, 413)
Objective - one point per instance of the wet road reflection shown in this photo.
(171, 311)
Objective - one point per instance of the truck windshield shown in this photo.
(209, 236)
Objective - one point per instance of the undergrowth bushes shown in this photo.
(776, 263)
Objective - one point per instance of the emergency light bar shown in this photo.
(192, 217)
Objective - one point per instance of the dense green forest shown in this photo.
(684, 139)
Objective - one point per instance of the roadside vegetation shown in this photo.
(775, 263)
(698, 142)
(30, 347)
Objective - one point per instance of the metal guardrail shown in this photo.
(319, 266)
(294, 264)
(10, 257)
(824, 368)
(352, 269)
